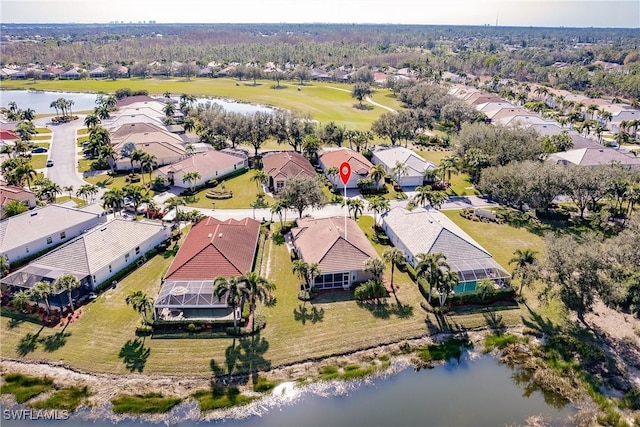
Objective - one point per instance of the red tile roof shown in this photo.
(287, 164)
(359, 163)
(215, 248)
(8, 134)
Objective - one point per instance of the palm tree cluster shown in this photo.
(62, 106)
(234, 290)
(306, 272)
(438, 275)
(43, 290)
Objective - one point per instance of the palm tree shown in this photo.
(55, 105)
(25, 172)
(135, 156)
(191, 178)
(375, 266)
(113, 198)
(68, 189)
(378, 205)
(422, 195)
(377, 174)
(260, 178)
(399, 171)
(21, 299)
(356, 206)
(431, 267)
(135, 193)
(67, 282)
(395, 256)
(234, 290)
(524, 259)
(141, 302)
(258, 289)
(437, 198)
(449, 165)
(91, 120)
(28, 115)
(447, 282)
(175, 202)
(148, 162)
(169, 109)
(4, 265)
(42, 291)
(300, 268)
(333, 173)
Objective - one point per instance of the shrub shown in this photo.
(67, 399)
(150, 403)
(445, 351)
(499, 341)
(25, 387)
(220, 398)
(262, 385)
(144, 330)
(260, 323)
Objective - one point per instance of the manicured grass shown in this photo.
(220, 398)
(498, 341)
(42, 144)
(151, 403)
(349, 372)
(244, 194)
(24, 387)
(79, 202)
(460, 184)
(321, 100)
(39, 161)
(84, 165)
(434, 156)
(41, 138)
(43, 130)
(65, 399)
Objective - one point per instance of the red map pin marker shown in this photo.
(345, 172)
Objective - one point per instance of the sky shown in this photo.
(537, 13)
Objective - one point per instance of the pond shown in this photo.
(476, 391)
(40, 101)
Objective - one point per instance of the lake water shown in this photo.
(478, 392)
(40, 101)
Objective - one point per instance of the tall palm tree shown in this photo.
(437, 198)
(258, 289)
(395, 256)
(447, 282)
(449, 165)
(260, 178)
(375, 266)
(41, 291)
(108, 154)
(399, 171)
(113, 198)
(279, 207)
(55, 105)
(148, 162)
(422, 195)
(25, 172)
(141, 302)
(191, 178)
(135, 193)
(174, 203)
(28, 114)
(332, 173)
(135, 156)
(356, 206)
(377, 174)
(91, 120)
(67, 283)
(68, 189)
(378, 205)
(431, 267)
(234, 290)
(300, 268)
(524, 259)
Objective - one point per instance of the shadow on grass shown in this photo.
(538, 323)
(364, 107)
(16, 319)
(271, 302)
(134, 355)
(303, 315)
(54, 342)
(333, 296)
(443, 323)
(278, 87)
(251, 358)
(385, 310)
(494, 320)
(28, 343)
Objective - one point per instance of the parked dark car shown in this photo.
(39, 150)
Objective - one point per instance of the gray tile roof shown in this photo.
(416, 165)
(100, 246)
(20, 230)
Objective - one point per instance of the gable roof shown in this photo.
(416, 165)
(8, 134)
(359, 164)
(323, 241)
(203, 162)
(11, 192)
(287, 164)
(20, 230)
(126, 129)
(594, 157)
(133, 99)
(215, 248)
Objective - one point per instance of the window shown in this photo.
(138, 250)
(126, 257)
(26, 249)
(49, 240)
(63, 235)
(235, 167)
(109, 268)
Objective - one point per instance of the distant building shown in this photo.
(283, 165)
(10, 193)
(210, 165)
(595, 157)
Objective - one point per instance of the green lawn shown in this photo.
(39, 161)
(244, 194)
(42, 130)
(41, 137)
(321, 100)
(42, 144)
(460, 184)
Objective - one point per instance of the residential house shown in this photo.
(98, 73)
(340, 253)
(428, 231)
(93, 257)
(594, 156)
(71, 74)
(283, 165)
(210, 165)
(212, 249)
(412, 167)
(40, 229)
(167, 147)
(10, 193)
(360, 166)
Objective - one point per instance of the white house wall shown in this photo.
(208, 175)
(39, 245)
